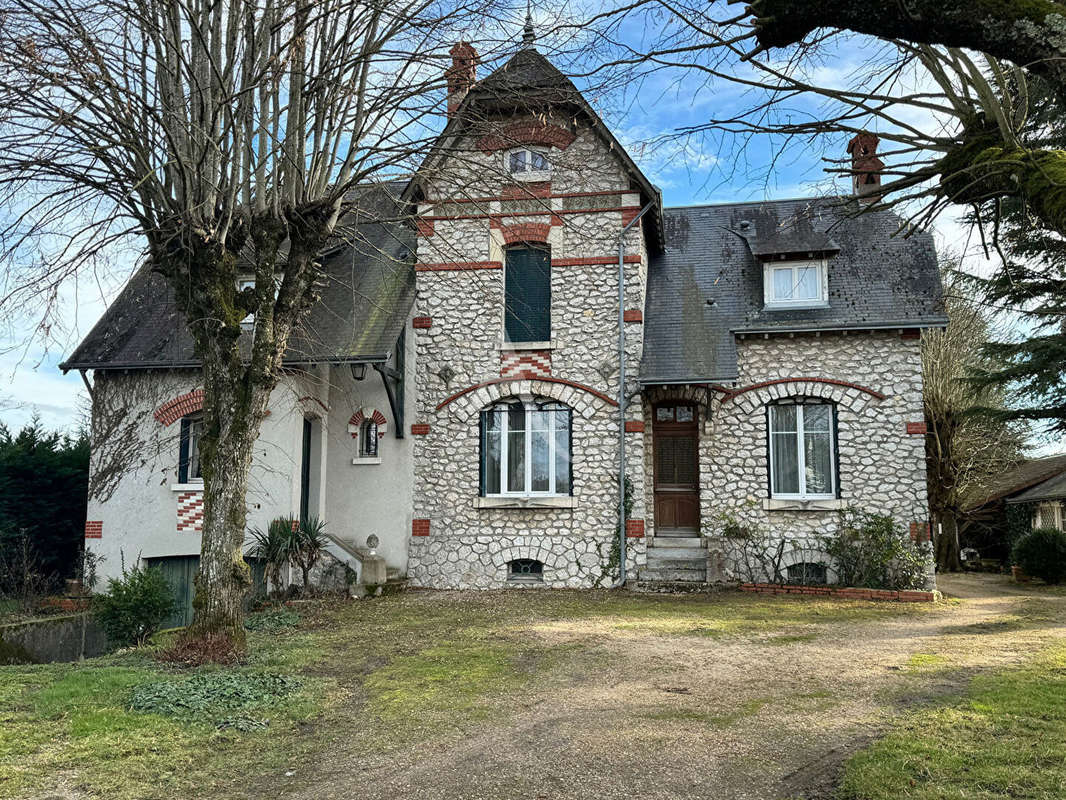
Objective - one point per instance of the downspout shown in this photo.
(622, 395)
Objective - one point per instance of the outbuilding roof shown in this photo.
(369, 292)
(707, 287)
(1051, 489)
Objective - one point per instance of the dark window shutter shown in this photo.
(836, 449)
(769, 458)
(183, 451)
(570, 441)
(482, 454)
(527, 295)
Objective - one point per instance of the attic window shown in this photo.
(796, 284)
(524, 161)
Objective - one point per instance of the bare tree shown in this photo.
(965, 451)
(224, 138)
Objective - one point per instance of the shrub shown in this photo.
(872, 551)
(134, 605)
(271, 620)
(1042, 554)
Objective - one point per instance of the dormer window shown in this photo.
(796, 284)
(523, 161)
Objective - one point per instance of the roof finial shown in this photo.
(527, 33)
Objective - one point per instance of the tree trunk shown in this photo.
(947, 544)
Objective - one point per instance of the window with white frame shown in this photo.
(795, 284)
(802, 449)
(524, 160)
(1048, 515)
(525, 448)
(192, 431)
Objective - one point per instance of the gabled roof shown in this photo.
(368, 295)
(527, 83)
(1026, 475)
(707, 286)
(1051, 489)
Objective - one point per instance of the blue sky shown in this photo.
(689, 171)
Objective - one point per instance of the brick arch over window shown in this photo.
(535, 232)
(181, 406)
(468, 402)
(502, 557)
(519, 133)
(363, 414)
(848, 395)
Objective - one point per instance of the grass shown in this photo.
(1006, 738)
(372, 675)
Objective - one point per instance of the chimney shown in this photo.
(461, 74)
(866, 167)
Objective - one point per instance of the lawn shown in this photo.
(346, 698)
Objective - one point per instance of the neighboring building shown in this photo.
(1030, 495)
(772, 367)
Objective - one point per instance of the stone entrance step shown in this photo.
(651, 574)
(691, 553)
(688, 542)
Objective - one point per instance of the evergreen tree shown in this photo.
(43, 485)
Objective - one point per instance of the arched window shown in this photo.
(525, 569)
(808, 573)
(525, 448)
(802, 434)
(368, 439)
(527, 295)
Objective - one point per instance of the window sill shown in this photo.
(524, 581)
(360, 461)
(801, 306)
(509, 346)
(187, 487)
(797, 504)
(531, 176)
(525, 502)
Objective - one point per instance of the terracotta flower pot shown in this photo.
(1018, 575)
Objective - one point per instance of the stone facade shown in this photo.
(472, 212)
(874, 380)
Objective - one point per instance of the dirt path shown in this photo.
(697, 717)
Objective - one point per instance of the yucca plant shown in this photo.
(276, 545)
(311, 543)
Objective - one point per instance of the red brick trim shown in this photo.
(420, 527)
(458, 265)
(526, 232)
(181, 406)
(634, 426)
(306, 397)
(634, 529)
(425, 226)
(917, 429)
(734, 393)
(94, 529)
(593, 260)
(493, 382)
(422, 322)
(843, 592)
(921, 532)
(629, 214)
(633, 315)
(483, 200)
(519, 133)
(523, 191)
(419, 429)
(538, 212)
(358, 417)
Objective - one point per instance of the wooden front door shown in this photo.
(677, 470)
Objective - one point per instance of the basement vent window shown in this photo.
(808, 573)
(526, 570)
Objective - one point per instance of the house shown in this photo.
(1030, 495)
(457, 393)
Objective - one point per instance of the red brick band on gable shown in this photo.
(573, 384)
(425, 226)
(523, 191)
(519, 133)
(593, 261)
(732, 394)
(181, 406)
(526, 232)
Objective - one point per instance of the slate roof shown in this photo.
(1051, 489)
(369, 292)
(707, 286)
(1027, 475)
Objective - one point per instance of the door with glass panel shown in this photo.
(675, 441)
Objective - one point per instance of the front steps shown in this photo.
(674, 560)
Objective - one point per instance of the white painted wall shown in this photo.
(138, 508)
